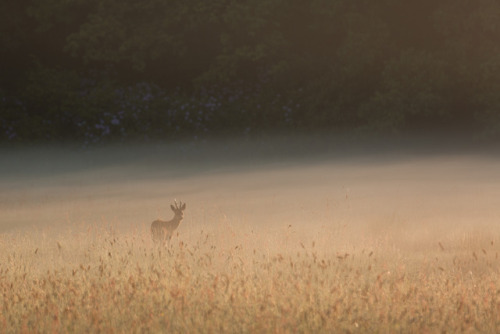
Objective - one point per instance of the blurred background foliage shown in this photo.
(99, 70)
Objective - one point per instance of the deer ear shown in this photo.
(183, 206)
(172, 207)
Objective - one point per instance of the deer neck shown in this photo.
(176, 220)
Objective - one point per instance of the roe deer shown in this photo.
(162, 230)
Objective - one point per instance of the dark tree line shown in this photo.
(93, 70)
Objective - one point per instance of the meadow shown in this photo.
(404, 244)
(228, 280)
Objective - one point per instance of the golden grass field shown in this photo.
(227, 280)
(403, 245)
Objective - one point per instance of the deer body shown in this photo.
(163, 230)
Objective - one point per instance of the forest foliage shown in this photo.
(97, 70)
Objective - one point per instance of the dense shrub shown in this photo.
(412, 91)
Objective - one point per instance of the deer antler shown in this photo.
(178, 206)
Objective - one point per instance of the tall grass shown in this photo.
(244, 280)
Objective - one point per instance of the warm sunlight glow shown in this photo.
(272, 240)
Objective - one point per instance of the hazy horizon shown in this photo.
(276, 182)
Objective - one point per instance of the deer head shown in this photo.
(178, 209)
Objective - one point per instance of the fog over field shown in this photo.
(303, 234)
(309, 187)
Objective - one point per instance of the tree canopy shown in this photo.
(93, 70)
